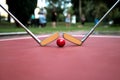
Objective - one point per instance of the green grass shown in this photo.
(7, 27)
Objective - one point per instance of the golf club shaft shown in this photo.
(28, 31)
(91, 31)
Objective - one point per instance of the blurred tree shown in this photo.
(61, 7)
(115, 14)
(96, 8)
(76, 5)
(99, 10)
(22, 9)
(88, 8)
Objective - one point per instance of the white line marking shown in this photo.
(99, 36)
(42, 36)
(12, 33)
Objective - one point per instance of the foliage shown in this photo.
(60, 6)
(7, 27)
(22, 9)
(100, 10)
(97, 8)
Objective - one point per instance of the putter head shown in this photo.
(49, 39)
(72, 39)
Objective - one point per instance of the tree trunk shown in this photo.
(80, 8)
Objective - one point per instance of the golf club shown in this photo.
(43, 42)
(80, 42)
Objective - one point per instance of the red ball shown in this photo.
(60, 42)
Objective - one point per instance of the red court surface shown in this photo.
(97, 59)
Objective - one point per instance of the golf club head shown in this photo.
(49, 39)
(72, 39)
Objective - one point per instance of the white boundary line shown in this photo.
(27, 37)
(99, 36)
(12, 33)
(42, 36)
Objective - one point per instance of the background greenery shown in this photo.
(92, 9)
(102, 28)
(22, 9)
(96, 9)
